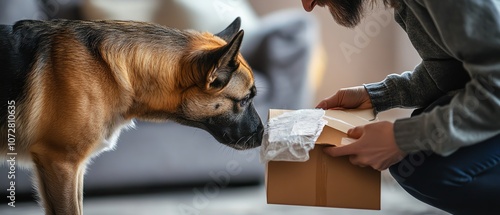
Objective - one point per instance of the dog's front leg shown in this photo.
(60, 182)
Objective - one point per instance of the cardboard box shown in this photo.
(324, 180)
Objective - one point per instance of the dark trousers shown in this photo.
(465, 182)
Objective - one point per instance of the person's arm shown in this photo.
(413, 89)
(470, 31)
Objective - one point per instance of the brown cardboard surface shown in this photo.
(323, 180)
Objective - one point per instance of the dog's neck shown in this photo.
(146, 67)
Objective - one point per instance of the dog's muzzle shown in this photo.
(241, 134)
(248, 142)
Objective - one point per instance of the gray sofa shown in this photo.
(168, 154)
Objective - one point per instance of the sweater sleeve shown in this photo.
(470, 31)
(411, 89)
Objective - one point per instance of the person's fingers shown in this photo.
(336, 151)
(330, 102)
(323, 105)
(354, 160)
(352, 97)
(355, 132)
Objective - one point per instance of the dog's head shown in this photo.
(219, 98)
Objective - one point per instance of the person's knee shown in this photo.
(410, 168)
(426, 176)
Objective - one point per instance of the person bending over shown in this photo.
(447, 153)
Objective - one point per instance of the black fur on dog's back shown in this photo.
(15, 60)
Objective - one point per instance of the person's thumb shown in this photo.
(322, 105)
(336, 151)
(328, 103)
(355, 132)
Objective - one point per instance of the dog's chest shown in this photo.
(111, 137)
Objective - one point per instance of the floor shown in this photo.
(246, 200)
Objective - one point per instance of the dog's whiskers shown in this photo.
(245, 144)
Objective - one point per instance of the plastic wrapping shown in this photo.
(291, 135)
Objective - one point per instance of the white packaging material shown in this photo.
(290, 136)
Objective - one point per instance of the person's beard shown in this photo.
(347, 13)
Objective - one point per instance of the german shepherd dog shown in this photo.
(68, 88)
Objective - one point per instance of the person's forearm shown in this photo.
(409, 90)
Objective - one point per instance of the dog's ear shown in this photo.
(227, 63)
(228, 33)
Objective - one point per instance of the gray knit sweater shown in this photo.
(459, 43)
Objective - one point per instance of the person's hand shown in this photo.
(375, 146)
(347, 98)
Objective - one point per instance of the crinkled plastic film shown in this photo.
(291, 135)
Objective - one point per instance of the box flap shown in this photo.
(343, 120)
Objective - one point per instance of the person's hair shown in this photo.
(349, 13)
(391, 3)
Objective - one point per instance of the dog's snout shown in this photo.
(253, 140)
(243, 131)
